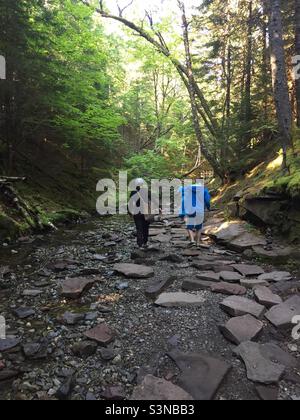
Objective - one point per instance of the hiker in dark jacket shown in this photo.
(140, 219)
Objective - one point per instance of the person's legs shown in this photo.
(191, 235)
(198, 235)
(146, 228)
(139, 223)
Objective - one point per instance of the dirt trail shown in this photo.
(41, 363)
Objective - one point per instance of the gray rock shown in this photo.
(113, 393)
(203, 265)
(31, 293)
(157, 389)
(241, 329)
(248, 270)
(8, 374)
(238, 306)
(274, 353)
(201, 375)
(134, 271)
(267, 393)
(195, 285)
(230, 277)
(84, 349)
(281, 316)
(228, 289)
(276, 276)
(24, 313)
(107, 354)
(253, 283)
(70, 318)
(259, 368)
(73, 288)
(65, 390)
(179, 299)
(208, 276)
(9, 343)
(266, 297)
(156, 288)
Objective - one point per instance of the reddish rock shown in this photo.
(228, 289)
(73, 288)
(102, 334)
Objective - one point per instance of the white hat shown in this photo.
(139, 182)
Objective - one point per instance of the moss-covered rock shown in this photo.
(9, 228)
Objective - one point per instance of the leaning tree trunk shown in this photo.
(279, 76)
(297, 52)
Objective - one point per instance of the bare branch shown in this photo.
(122, 9)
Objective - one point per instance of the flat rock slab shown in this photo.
(201, 375)
(281, 316)
(230, 277)
(173, 258)
(203, 265)
(162, 238)
(102, 334)
(9, 343)
(248, 270)
(31, 293)
(229, 289)
(156, 232)
(267, 393)
(274, 353)
(241, 329)
(253, 283)
(259, 368)
(24, 313)
(157, 389)
(266, 297)
(71, 318)
(134, 271)
(239, 306)
(191, 253)
(73, 288)
(179, 299)
(276, 276)
(156, 288)
(208, 276)
(194, 284)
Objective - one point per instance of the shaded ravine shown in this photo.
(144, 332)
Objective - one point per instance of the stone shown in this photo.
(203, 265)
(107, 354)
(155, 289)
(2, 365)
(113, 393)
(201, 375)
(267, 393)
(84, 349)
(73, 288)
(70, 318)
(36, 350)
(281, 316)
(218, 268)
(65, 390)
(24, 313)
(259, 368)
(8, 374)
(208, 276)
(134, 271)
(173, 258)
(156, 232)
(102, 334)
(122, 286)
(157, 389)
(248, 270)
(228, 289)
(192, 253)
(274, 353)
(162, 238)
(241, 329)
(230, 277)
(276, 276)
(253, 283)
(31, 293)
(239, 306)
(194, 284)
(266, 297)
(179, 299)
(9, 343)
(63, 265)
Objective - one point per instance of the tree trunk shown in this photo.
(297, 52)
(248, 83)
(279, 76)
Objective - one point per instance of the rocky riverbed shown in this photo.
(90, 317)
